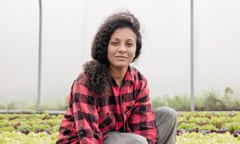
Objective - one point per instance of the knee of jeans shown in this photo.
(167, 111)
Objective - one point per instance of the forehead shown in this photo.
(124, 33)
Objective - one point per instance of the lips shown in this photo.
(123, 57)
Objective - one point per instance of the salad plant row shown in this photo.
(193, 128)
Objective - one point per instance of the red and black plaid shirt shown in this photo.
(126, 109)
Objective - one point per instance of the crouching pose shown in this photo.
(109, 102)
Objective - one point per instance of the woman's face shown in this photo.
(121, 48)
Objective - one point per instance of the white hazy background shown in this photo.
(68, 30)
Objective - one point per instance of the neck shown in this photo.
(118, 74)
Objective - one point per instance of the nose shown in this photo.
(122, 48)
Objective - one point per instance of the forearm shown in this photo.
(85, 116)
(143, 118)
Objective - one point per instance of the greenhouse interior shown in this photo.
(189, 57)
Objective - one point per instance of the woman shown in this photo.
(109, 102)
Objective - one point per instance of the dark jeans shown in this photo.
(166, 120)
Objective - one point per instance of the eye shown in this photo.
(129, 44)
(114, 43)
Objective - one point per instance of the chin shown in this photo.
(121, 65)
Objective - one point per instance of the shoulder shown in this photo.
(136, 74)
(82, 78)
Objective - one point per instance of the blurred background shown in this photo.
(68, 28)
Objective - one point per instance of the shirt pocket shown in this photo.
(107, 121)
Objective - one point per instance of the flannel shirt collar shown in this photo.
(129, 76)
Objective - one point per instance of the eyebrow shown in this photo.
(115, 38)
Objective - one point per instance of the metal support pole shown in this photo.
(39, 57)
(192, 56)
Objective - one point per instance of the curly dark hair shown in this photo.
(113, 22)
(99, 80)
